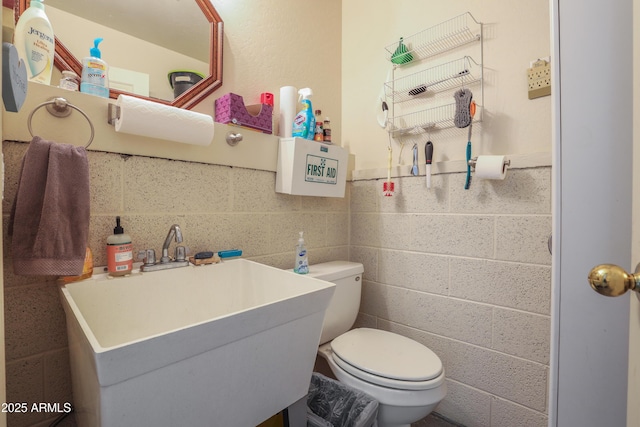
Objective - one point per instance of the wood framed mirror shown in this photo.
(65, 59)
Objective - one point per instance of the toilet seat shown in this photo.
(387, 359)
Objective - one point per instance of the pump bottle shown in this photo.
(302, 263)
(119, 252)
(35, 42)
(95, 73)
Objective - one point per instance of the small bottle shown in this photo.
(69, 81)
(119, 252)
(319, 134)
(35, 42)
(302, 263)
(95, 73)
(327, 130)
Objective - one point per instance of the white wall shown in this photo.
(514, 35)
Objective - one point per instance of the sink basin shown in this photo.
(228, 344)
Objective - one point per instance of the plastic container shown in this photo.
(182, 80)
(302, 263)
(119, 252)
(95, 73)
(35, 42)
(331, 403)
(304, 124)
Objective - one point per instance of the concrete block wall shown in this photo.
(467, 273)
(217, 207)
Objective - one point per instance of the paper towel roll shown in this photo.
(288, 101)
(490, 167)
(145, 118)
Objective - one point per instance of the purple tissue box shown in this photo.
(230, 108)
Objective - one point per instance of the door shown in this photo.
(590, 376)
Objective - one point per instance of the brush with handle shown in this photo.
(428, 154)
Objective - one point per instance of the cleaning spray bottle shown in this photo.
(34, 40)
(95, 73)
(304, 124)
(302, 263)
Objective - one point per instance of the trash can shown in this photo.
(181, 80)
(333, 404)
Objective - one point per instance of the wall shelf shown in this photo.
(435, 86)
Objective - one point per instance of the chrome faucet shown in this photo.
(166, 262)
(173, 231)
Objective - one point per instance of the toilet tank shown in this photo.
(345, 303)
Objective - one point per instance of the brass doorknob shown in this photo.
(612, 281)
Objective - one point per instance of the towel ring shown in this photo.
(60, 107)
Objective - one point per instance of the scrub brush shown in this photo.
(388, 185)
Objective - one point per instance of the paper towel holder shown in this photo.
(474, 160)
(113, 114)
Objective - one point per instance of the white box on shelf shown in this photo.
(311, 168)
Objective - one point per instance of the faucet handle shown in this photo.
(181, 253)
(148, 256)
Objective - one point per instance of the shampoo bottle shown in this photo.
(119, 252)
(304, 124)
(302, 263)
(35, 42)
(95, 73)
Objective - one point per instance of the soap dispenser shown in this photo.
(119, 252)
(302, 263)
(95, 73)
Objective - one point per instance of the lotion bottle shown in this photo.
(302, 263)
(35, 42)
(95, 73)
(119, 252)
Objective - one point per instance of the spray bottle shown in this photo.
(304, 124)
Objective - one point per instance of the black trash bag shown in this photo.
(333, 404)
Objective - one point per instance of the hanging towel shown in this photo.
(49, 220)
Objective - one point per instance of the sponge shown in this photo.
(462, 117)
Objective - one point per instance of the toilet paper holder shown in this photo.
(474, 160)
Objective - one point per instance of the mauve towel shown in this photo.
(49, 221)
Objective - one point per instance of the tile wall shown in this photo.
(467, 273)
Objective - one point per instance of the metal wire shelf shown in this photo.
(431, 119)
(440, 38)
(454, 74)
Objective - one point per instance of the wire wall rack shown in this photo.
(441, 79)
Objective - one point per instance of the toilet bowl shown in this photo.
(404, 376)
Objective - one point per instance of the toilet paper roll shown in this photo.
(145, 118)
(490, 167)
(288, 101)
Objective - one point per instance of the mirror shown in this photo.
(173, 23)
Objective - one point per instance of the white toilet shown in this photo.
(404, 376)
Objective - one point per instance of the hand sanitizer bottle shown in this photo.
(302, 263)
(95, 73)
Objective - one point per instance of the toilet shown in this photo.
(404, 376)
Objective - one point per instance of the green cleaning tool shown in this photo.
(401, 55)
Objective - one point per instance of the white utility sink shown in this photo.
(228, 344)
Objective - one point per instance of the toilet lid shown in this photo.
(376, 356)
